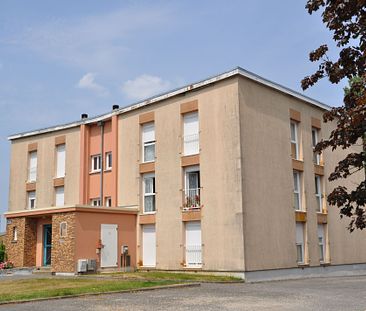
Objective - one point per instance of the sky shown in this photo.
(59, 59)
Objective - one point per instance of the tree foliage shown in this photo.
(346, 19)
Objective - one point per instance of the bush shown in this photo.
(2, 252)
(6, 265)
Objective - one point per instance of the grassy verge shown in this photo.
(16, 290)
(188, 277)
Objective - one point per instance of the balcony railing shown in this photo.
(192, 199)
(191, 144)
(194, 255)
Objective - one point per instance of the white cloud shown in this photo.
(88, 82)
(145, 86)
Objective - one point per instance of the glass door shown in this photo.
(47, 244)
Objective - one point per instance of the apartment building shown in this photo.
(217, 176)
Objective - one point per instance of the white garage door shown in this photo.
(193, 244)
(109, 242)
(148, 246)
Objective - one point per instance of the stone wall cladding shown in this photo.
(15, 249)
(30, 245)
(63, 248)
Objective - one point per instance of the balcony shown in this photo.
(192, 199)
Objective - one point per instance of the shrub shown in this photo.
(2, 252)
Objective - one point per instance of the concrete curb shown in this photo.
(105, 293)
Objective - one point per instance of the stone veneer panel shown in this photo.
(15, 249)
(23, 251)
(63, 248)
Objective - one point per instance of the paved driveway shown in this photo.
(346, 293)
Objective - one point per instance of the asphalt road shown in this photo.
(343, 293)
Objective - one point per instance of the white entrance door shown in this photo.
(193, 244)
(108, 257)
(148, 246)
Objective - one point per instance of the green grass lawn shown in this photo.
(188, 277)
(25, 289)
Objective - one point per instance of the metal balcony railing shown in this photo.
(192, 199)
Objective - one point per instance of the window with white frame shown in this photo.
(300, 242)
(321, 241)
(59, 196)
(297, 190)
(95, 163)
(108, 201)
(95, 202)
(190, 133)
(60, 161)
(294, 140)
(149, 193)
(15, 234)
(108, 161)
(318, 193)
(63, 229)
(148, 142)
(32, 173)
(315, 140)
(192, 187)
(31, 199)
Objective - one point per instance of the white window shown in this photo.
(108, 201)
(15, 234)
(193, 244)
(31, 199)
(294, 140)
(60, 196)
(321, 240)
(63, 229)
(149, 193)
(95, 202)
(60, 161)
(32, 174)
(191, 133)
(315, 140)
(192, 188)
(95, 163)
(297, 190)
(300, 245)
(318, 193)
(108, 161)
(148, 142)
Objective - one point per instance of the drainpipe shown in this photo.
(101, 124)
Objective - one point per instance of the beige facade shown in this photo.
(245, 211)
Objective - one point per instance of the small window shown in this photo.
(63, 229)
(95, 202)
(191, 143)
(149, 193)
(294, 140)
(59, 196)
(297, 190)
(95, 163)
(15, 234)
(148, 142)
(315, 140)
(31, 199)
(318, 193)
(108, 201)
(108, 161)
(60, 161)
(300, 245)
(321, 241)
(32, 173)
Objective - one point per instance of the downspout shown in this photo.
(101, 124)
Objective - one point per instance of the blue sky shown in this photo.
(59, 59)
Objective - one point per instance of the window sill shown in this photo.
(14, 241)
(303, 265)
(143, 162)
(94, 172)
(324, 264)
(108, 170)
(148, 213)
